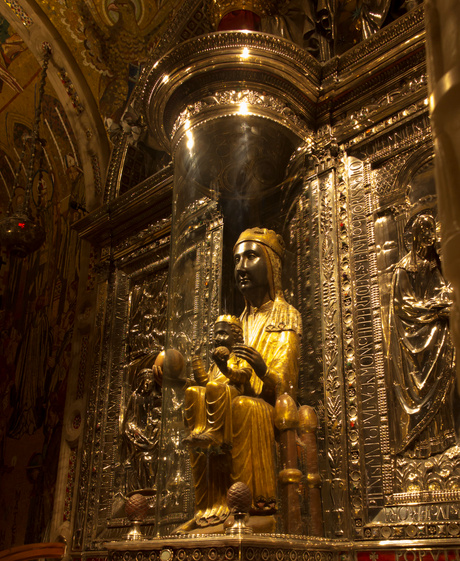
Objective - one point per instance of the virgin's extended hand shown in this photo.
(252, 357)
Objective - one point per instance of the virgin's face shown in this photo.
(251, 270)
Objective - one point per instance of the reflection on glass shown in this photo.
(228, 181)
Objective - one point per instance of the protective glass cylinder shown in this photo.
(229, 175)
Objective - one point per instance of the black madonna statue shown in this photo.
(261, 367)
(272, 330)
(421, 351)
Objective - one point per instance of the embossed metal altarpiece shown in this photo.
(338, 158)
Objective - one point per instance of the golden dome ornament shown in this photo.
(226, 15)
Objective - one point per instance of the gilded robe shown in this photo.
(208, 407)
(274, 331)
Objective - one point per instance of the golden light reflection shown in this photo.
(190, 141)
(243, 108)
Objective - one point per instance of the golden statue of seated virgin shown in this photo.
(230, 412)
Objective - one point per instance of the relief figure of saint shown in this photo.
(421, 351)
(140, 432)
(308, 23)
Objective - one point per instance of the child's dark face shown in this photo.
(223, 335)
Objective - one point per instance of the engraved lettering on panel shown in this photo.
(371, 435)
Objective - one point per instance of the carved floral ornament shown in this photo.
(244, 102)
(263, 64)
(228, 43)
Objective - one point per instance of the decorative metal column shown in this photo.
(442, 19)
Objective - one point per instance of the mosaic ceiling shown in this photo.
(98, 50)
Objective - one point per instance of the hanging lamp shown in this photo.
(20, 233)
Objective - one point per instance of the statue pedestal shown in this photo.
(280, 548)
(261, 547)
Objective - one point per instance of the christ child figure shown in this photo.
(208, 404)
